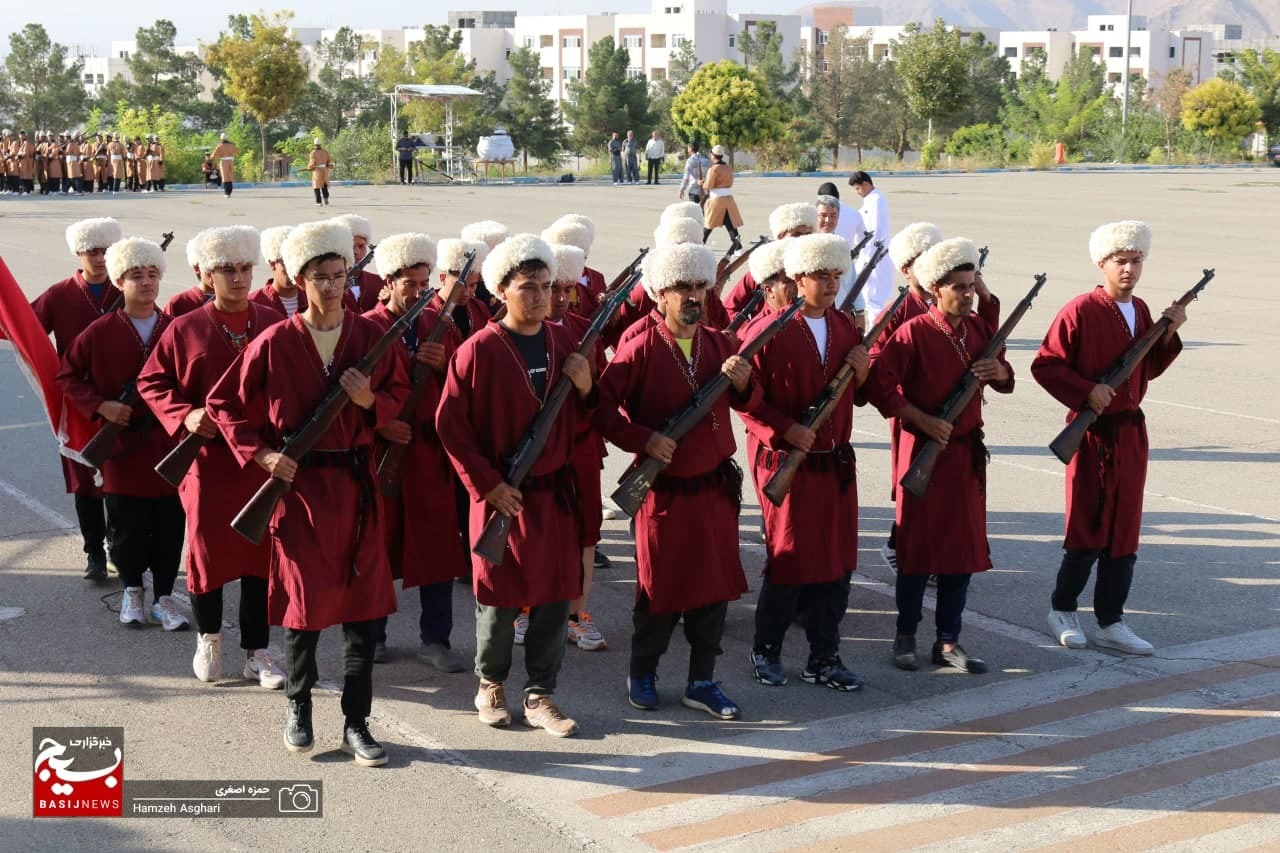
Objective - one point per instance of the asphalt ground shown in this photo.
(1206, 593)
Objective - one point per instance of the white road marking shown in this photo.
(49, 514)
(1213, 411)
(24, 426)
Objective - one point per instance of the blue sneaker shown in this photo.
(707, 696)
(642, 691)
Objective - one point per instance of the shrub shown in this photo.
(929, 154)
(982, 142)
(1040, 156)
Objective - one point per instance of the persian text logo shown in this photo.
(78, 772)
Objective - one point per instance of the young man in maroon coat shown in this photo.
(144, 511)
(497, 381)
(423, 542)
(193, 297)
(65, 310)
(1105, 478)
(280, 293)
(328, 554)
(687, 528)
(943, 533)
(194, 353)
(811, 541)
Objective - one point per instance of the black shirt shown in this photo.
(405, 145)
(533, 349)
(462, 319)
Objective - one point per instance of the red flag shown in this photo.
(39, 363)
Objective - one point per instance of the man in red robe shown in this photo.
(1105, 478)
(786, 220)
(811, 541)
(194, 353)
(193, 297)
(423, 543)
(144, 512)
(687, 528)
(328, 554)
(280, 293)
(362, 295)
(498, 380)
(576, 230)
(65, 310)
(943, 533)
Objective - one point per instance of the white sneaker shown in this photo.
(207, 663)
(890, 557)
(166, 612)
(1120, 637)
(1064, 626)
(132, 611)
(584, 633)
(261, 666)
(611, 512)
(522, 627)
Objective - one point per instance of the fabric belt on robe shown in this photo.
(1104, 429)
(839, 461)
(721, 193)
(977, 447)
(562, 483)
(355, 460)
(725, 477)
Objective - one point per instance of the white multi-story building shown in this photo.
(1056, 47)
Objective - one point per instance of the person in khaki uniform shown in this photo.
(137, 164)
(116, 159)
(25, 160)
(71, 157)
(225, 156)
(319, 164)
(721, 209)
(87, 175)
(157, 162)
(101, 163)
(7, 175)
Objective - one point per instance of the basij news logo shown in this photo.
(78, 772)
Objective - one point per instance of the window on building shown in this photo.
(100, 80)
(1111, 28)
(1173, 53)
(822, 36)
(658, 40)
(528, 41)
(1115, 52)
(466, 23)
(571, 41)
(635, 73)
(673, 10)
(88, 79)
(733, 41)
(1135, 51)
(1114, 77)
(572, 73)
(546, 41)
(826, 66)
(124, 54)
(1010, 53)
(1035, 50)
(548, 73)
(633, 40)
(677, 40)
(657, 74)
(879, 52)
(1092, 50)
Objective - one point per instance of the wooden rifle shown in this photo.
(916, 480)
(861, 281)
(1068, 441)
(492, 543)
(748, 310)
(635, 484)
(857, 249)
(393, 457)
(726, 268)
(820, 411)
(353, 274)
(252, 520)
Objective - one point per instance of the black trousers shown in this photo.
(651, 635)
(91, 513)
(254, 631)
(321, 193)
(435, 619)
(728, 226)
(1115, 577)
(147, 533)
(406, 171)
(227, 187)
(953, 591)
(357, 667)
(655, 166)
(824, 606)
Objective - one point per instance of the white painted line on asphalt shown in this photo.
(7, 613)
(1213, 411)
(49, 514)
(24, 426)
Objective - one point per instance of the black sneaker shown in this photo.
(766, 668)
(600, 561)
(904, 653)
(359, 743)
(96, 567)
(832, 673)
(297, 727)
(959, 659)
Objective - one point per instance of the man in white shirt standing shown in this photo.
(654, 150)
(875, 217)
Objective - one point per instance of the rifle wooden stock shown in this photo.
(725, 269)
(252, 520)
(98, 449)
(820, 411)
(638, 479)
(916, 480)
(861, 244)
(748, 310)
(392, 460)
(1068, 441)
(492, 543)
(861, 281)
(175, 464)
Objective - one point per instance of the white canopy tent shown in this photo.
(447, 94)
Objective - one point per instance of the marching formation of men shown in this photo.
(342, 429)
(80, 163)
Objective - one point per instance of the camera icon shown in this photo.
(299, 799)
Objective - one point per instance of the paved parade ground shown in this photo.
(1051, 750)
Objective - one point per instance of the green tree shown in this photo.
(988, 80)
(261, 69)
(934, 71)
(1259, 73)
(681, 65)
(40, 90)
(833, 98)
(1072, 110)
(531, 117)
(1168, 100)
(338, 95)
(762, 49)
(726, 104)
(606, 99)
(161, 75)
(1220, 110)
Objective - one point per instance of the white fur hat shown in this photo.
(814, 252)
(486, 231)
(942, 257)
(785, 217)
(511, 253)
(909, 243)
(357, 225)
(584, 221)
(570, 233)
(1128, 235)
(131, 253)
(675, 231)
(668, 265)
(400, 251)
(312, 240)
(768, 260)
(272, 239)
(193, 249)
(234, 244)
(93, 234)
(451, 254)
(681, 210)
(570, 261)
